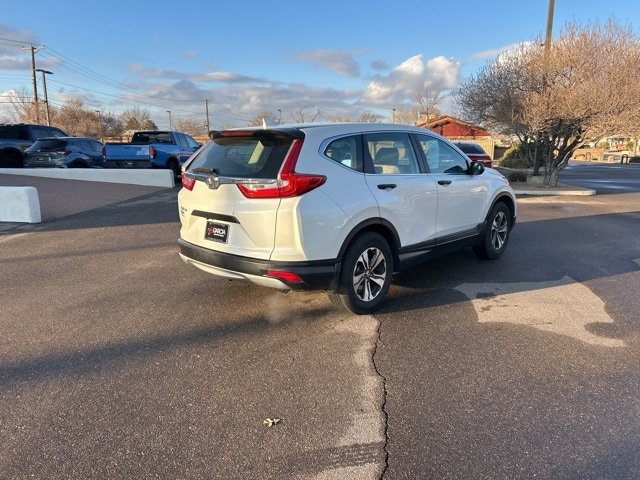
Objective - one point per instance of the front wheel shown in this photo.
(496, 236)
(366, 273)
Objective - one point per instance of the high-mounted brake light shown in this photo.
(289, 183)
(236, 133)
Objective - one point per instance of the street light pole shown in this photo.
(547, 41)
(34, 49)
(44, 87)
(170, 123)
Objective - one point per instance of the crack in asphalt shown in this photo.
(385, 414)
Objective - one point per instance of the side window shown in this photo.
(441, 158)
(345, 151)
(96, 146)
(181, 140)
(84, 145)
(39, 132)
(191, 143)
(54, 132)
(391, 153)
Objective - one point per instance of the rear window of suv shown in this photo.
(239, 156)
(43, 145)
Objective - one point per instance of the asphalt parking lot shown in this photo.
(119, 361)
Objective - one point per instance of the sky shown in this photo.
(335, 58)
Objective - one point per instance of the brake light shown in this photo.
(153, 152)
(104, 152)
(187, 182)
(289, 183)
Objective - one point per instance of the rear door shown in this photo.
(406, 197)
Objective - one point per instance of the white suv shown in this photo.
(336, 207)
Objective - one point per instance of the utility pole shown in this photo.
(34, 49)
(206, 108)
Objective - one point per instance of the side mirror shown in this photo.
(476, 168)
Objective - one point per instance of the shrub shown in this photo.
(634, 159)
(517, 176)
(515, 157)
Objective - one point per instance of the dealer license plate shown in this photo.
(217, 232)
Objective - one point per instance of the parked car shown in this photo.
(71, 152)
(336, 207)
(15, 138)
(475, 152)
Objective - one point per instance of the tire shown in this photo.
(10, 161)
(365, 277)
(174, 167)
(496, 235)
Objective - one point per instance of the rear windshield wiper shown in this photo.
(206, 170)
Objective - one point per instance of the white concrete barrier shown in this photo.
(20, 205)
(149, 177)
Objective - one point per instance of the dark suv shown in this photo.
(17, 137)
(72, 152)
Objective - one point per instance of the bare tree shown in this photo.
(257, 121)
(406, 115)
(556, 97)
(301, 114)
(364, 117)
(428, 99)
(23, 107)
(191, 127)
(137, 118)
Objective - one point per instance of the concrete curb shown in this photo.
(20, 205)
(551, 191)
(148, 177)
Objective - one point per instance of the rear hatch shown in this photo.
(232, 190)
(46, 153)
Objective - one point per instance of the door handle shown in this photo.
(387, 186)
(444, 182)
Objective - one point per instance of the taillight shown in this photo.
(153, 152)
(289, 183)
(187, 182)
(104, 152)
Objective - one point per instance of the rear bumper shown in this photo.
(315, 275)
(128, 164)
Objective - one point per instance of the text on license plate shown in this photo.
(217, 232)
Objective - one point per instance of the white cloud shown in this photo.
(494, 53)
(414, 73)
